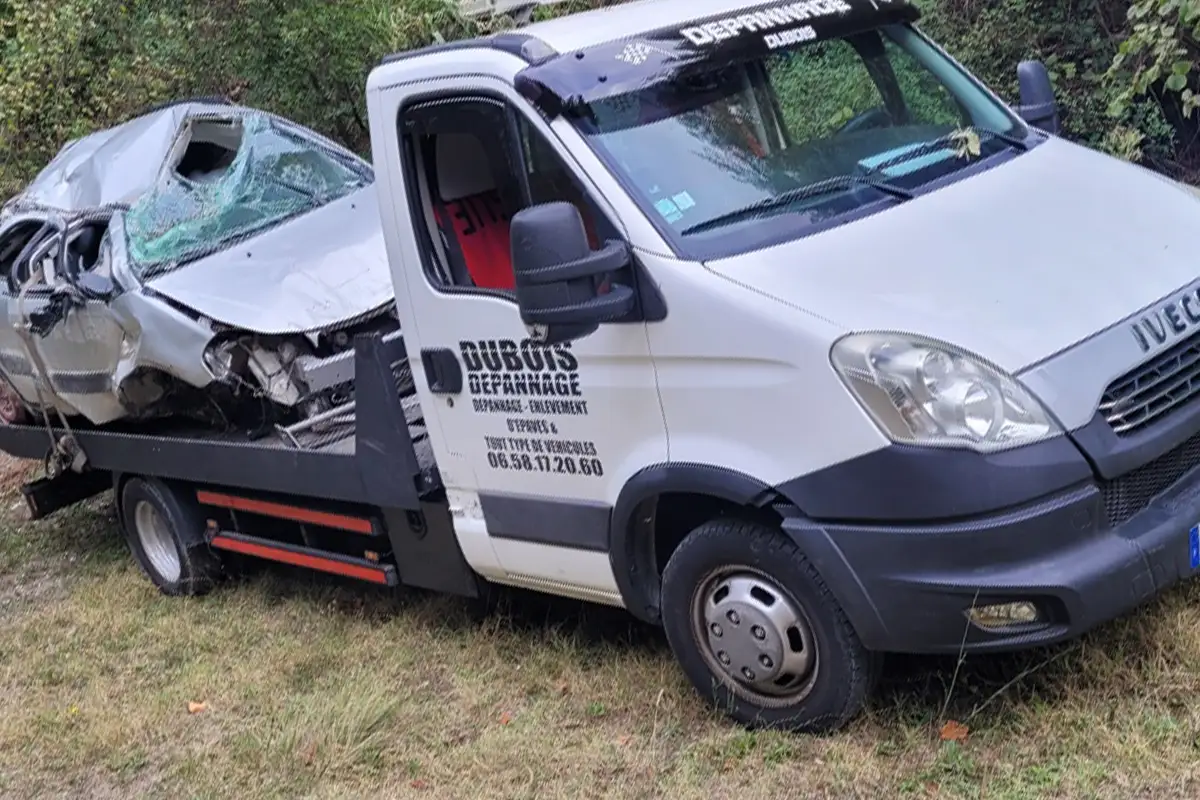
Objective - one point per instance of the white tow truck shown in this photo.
(766, 322)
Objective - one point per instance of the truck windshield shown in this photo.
(730, 156)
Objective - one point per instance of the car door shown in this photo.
(75, 340)
(534, 442)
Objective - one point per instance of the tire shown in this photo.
(12, 410)
(731, 567)
(164, 528)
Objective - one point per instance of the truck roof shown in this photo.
(590, 28)
(716, 23)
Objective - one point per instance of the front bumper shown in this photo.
(908, 588)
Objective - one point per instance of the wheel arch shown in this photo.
(660, 504)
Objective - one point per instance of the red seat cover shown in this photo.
(482, 235)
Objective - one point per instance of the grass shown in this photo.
(317, 690)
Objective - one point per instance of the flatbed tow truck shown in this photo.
(742, 317)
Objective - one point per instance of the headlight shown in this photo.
(927, 393)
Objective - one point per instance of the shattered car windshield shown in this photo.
(725, 155)
(233, 178)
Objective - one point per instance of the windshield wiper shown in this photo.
(1009, 139)
(950, 140)
(800, 193)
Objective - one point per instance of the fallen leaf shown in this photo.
(197, 708)
(417, 783)
(954, 731)
(505, 718)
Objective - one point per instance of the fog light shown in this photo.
(1003, 615)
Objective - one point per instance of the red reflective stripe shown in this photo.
(300, 559)
(281, 511)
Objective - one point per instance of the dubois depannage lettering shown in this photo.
(532, 387)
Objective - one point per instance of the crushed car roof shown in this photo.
(280, 223)
(113, 166)
(117, 165)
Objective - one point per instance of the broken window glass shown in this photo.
(234, 178)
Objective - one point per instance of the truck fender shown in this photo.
(632, 543)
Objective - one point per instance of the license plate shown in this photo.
(1194, 546)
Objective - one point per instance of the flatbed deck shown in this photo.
(382, 456)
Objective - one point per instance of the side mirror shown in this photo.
(95, 287)
(1038, 106)
(558, 275)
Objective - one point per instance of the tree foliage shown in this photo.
(1126, 72)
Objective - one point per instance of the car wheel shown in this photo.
(164, 528)
(759, 634)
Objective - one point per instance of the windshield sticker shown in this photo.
(669, 210)
(684, 201)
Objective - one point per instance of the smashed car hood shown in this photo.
(1015, 264)
(317, 270)
(112, 166)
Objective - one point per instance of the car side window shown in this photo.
(35, 269)
(927, 99)
(474, 163)
(13, 246)
(551, 180)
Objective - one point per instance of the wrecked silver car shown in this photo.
(201, 261)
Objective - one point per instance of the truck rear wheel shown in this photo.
(164, 528)
(759, 634)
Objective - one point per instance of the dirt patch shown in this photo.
(25, 588)
(13, 472)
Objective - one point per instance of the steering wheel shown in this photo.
(876, 117)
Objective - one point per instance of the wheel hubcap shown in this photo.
(756, 635)
(156, 541)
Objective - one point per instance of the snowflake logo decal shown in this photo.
(637, 53)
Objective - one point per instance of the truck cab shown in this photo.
(773, 325)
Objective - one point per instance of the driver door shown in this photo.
(534, 442)
(76, 341)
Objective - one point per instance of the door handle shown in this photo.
(442, 370)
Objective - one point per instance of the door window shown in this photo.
(476, 162)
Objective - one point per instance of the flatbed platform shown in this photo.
(382, 456)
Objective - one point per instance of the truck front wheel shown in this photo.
(759, 634)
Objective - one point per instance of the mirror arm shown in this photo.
(610, 258)
(604, 308)
(1038, 110)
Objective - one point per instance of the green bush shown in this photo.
(1125, 73)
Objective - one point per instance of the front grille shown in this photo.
(1152, 390)
(1133, 491)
